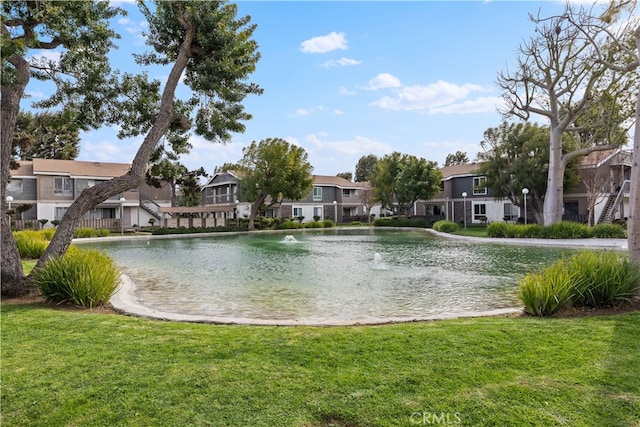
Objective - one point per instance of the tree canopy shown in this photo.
(272, 170)
(365, 167)
(400, 180)
(204, 45)
(562, 76)
(515, 156)
(457, 158)
(46, 136)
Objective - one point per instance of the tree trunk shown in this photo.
(633, 220)
(553, 199)
(92, 196)
(254, 211)
(11, 272)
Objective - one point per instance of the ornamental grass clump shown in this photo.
(31, 243)
(544, 293)
(445, 226)
(589, 279)
(84, 277)
(603, 279)
(609, 231)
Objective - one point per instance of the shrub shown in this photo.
(55, 222)
(84, 277)
(567, 230)
(392, 222)
(545, 292)
(48, 233)
(591, 279)
(287, 224)
(328, 223)
(609, 231)
(496, 229)
(102, 232)
(313, 224)
(355, 223)
(83, 232)
(31, 243)
(445, 226)
(603, 279)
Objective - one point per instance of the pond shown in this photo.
(325, 277)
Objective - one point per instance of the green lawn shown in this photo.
(88, 369)
(472, 230)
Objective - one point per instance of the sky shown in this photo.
(348, 79)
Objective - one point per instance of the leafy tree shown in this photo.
(401, 179)
(80, 32)
(168, 170)
(46, 136)
(346, 175)
(365, 167)
(457, 158)
(190, 187)
(515, 157)
(557, 77)
(273, 170)
(212, 52)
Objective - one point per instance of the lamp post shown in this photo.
(121, 215)
(525, 191)
(9, 199)
(335, 210)
(464, 207)
(446, 209)
(236, 212)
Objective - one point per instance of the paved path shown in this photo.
(125, 301)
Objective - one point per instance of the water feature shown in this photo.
(326, 277)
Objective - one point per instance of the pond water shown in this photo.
(325, 277)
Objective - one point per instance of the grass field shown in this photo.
(80, 368)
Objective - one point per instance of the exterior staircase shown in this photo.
(151, 207)
(613, 203)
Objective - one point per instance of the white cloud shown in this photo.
(488, 104)
(345, 91)
(439, 97)
(324, 44)
(358, 146)
(383, 81)
(342, 62)
(338, 112)
(44, 56)
(300, 112)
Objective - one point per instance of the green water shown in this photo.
(332, 275)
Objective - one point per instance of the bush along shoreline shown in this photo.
(590, 279)
(559, 230)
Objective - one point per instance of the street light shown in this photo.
(335, 210)
(236, 211)
(464, 207)
(9, 199)
(525, 191)
(122, 215)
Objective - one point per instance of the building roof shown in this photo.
(457, 170)
(333, 181)
(79, 169)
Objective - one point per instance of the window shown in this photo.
(347, 192)
(63, 186)
(510, 212)
(297, 212)
(480, 212)
(317, 194)
(479, 185)
(317, 211)
(15, 186)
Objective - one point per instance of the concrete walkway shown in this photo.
(126, 302)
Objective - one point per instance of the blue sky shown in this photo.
(348, 79)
